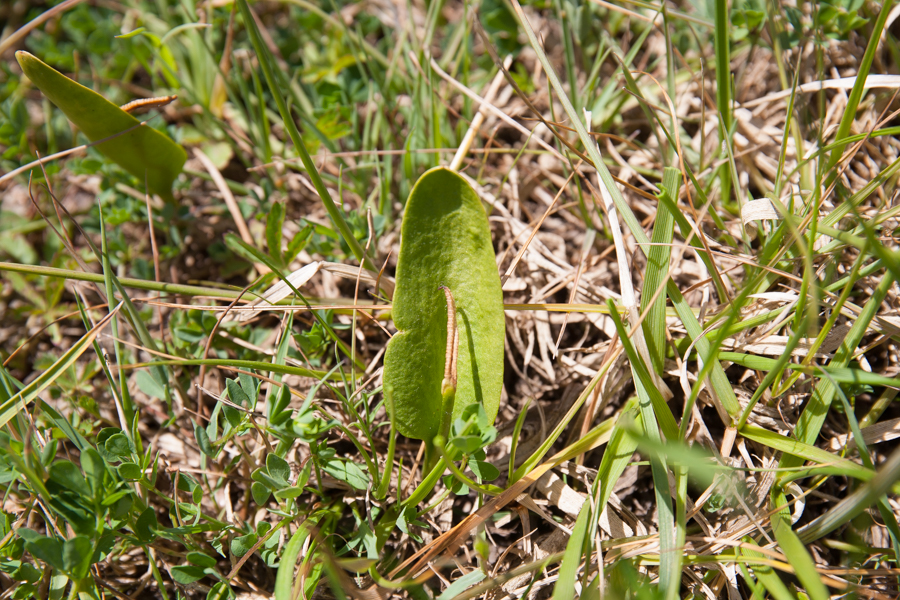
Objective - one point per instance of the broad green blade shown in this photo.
(619, 450)
(655, 410)
(445, 241)
(284, 581)
(143, 151)
(462, 584)
(723, 86)
(650, 397)
(808, 452)
(658, 271)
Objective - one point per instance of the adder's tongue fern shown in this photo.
(445, 246)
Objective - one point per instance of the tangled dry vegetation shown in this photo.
(568, 377)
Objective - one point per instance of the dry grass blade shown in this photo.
(467, 140)
(11, 40)
(230, 202)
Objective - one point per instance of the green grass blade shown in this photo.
(654, 410)
(284, 580)
(723, 88)
(680, 532)
(856, 93)
(767, 575)
(632, 86)
(110, 293)
(720, 383)
(687, 229)
(573, 557)
(275, 87)
(887, 514)
(843, 209)
(619, 450)
(785, 444)
(129, 282)
(663, 414)
(658, 271)
(462, 584)
(568, 51)
(798, 557)
(514, 446)
(839, 374)
(26, 395)
(854, 504)
(701, 464)
(245, 250)
(258, 365)
(826, 329)
(544, 448)
(605, 97)
(813, 417)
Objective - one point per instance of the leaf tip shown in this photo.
(23, 57)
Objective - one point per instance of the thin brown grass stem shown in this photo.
(534, 230)
(493, 109)
(24, 30)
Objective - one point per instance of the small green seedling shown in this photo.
(448, 352)
(144, 152)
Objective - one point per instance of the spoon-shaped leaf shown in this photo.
(143, 151)
(445, 241)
